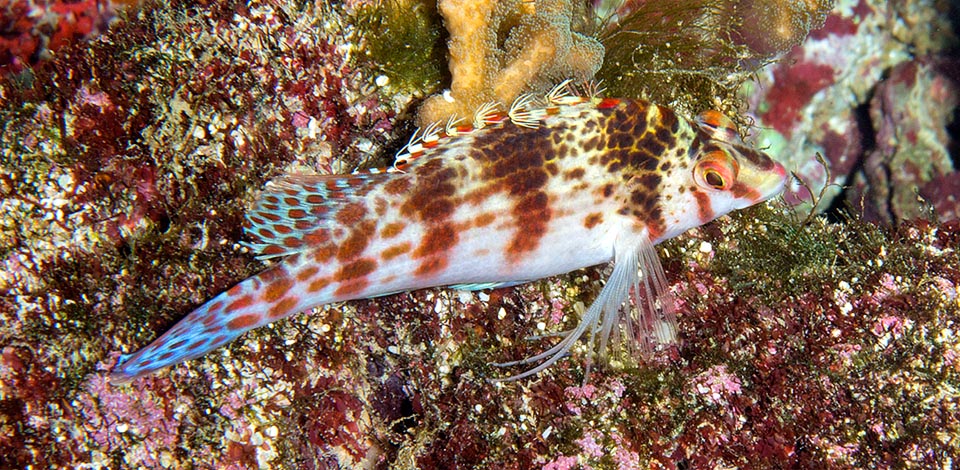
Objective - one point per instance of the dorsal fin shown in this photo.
(527, 110)
(295, 212)
(719, 126)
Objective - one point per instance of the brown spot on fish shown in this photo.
(357, 269)
(324, 253)
(394, 251)
(574, 174)
(392, 229)
(243, 322)
(241, 303)
(430, 266)
(277, 289)
(351, 288)
(592, 220)
(532, 215)
(397, 185)
(351, 213)
(437, 240)
(357, 241)
(307, 273)
(484, 219)
(318, 285)
(283, 308)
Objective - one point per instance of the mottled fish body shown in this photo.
(543, 189)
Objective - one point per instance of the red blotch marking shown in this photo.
(265, 234)
(608, 103)
(351, 213)
(220, 339)
(165, 356)
(392, 229)
(317, 237)
(178, 344)
(325, 253)
(283, 229)
(381, 206)
(593, 220)
(303, 225)
(318, 285)
(397, 186)
(241, 303)
(235, 290)
(272, 250)
(214, 307)
(395, 251)
(292, 201)
(357, 269)
(277, 289)
(195, 345)
(431, 266)
(307, 273)
(437, 210)
(704, 209)
(476, 197)
(484, 219)
(243, 322)
(437, 240)
(351, 288)
(296, 213)
(314, 199)
(532, 214)
(283, 308)
(358, 240)
(269, 276)
(210, 320)
(269, 216)
(271, 199)
(292, 242)
(743, 191)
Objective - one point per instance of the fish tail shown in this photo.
(259, 300)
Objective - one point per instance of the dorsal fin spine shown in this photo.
(525, 111)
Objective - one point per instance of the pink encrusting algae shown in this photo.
(555, 184)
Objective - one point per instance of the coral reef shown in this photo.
(499, 49)
(125, 167)
(910, 168)
(694, 54)
(828, 97)
(768, 27)
(32, 30)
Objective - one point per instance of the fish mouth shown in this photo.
(776, 183)
(764, 184)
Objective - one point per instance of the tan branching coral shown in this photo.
(499, 49)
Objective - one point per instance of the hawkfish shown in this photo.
(556, 183)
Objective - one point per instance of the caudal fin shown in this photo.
(259, 300)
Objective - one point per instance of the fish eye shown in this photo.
(716, 171)
(713, 178)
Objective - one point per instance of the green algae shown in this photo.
(403, 40)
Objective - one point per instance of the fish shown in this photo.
(556, 183)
